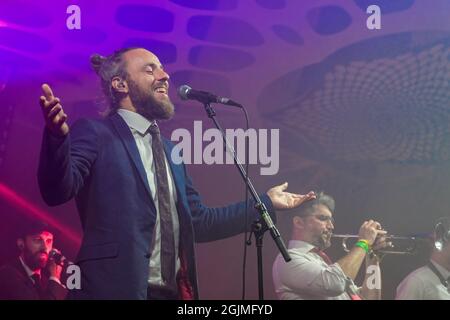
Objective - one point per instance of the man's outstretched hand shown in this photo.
(286, 200)
(54, 115)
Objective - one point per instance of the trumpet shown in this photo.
(405, 245)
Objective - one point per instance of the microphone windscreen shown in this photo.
(183, 91)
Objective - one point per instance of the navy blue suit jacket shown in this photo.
(99, 164)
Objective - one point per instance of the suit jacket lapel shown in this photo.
(128, 140)
(18, 265)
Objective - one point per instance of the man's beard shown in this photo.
(148, 106)
(34, 261)
(323, 241)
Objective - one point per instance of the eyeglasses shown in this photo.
(323, 217)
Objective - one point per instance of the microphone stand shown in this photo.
(259, 227)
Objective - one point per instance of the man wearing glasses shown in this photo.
(311, 274)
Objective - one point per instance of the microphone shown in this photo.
(187, 93)
(59, 258)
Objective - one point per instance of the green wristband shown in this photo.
(362, 245)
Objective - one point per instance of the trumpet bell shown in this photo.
(441, 233)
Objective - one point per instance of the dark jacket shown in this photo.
(15, 284)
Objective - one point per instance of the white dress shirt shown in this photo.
(308, 277)
(139, 126)
(424, 284)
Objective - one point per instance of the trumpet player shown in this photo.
(311, 274)
(431, 282)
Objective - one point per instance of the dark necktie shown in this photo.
(37, 282)
(165, 215)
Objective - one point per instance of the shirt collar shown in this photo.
(135, 120)
(27, 269)
(443, 271)
(301, 246)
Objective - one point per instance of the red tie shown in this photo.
(326, 258)
(323, 255)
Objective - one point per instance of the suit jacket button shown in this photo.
(148, 255)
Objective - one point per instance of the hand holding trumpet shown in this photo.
(379, 241)
(372, 232)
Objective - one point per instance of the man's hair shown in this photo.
(108, 68)
(307, 208)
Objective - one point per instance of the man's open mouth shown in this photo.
(162, 90)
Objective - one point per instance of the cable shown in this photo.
(246, 242)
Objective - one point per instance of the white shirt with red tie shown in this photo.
(308, 277)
